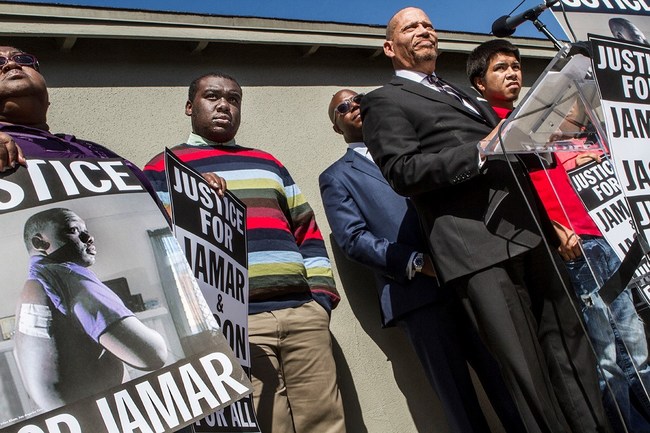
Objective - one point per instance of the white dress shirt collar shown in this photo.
(418, 77)
(361, 149)
(197, 140)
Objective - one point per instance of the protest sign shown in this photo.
(212, 232)
(622, 19)
(105, 327)
(600, 191)
(622, 72)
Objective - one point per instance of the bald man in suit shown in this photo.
(375, 226)
(424, 134)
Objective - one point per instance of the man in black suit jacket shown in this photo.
(380, 229)
(482, 232)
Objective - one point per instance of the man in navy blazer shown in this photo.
(380, 229)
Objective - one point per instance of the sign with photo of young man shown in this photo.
(627, 20)
(111, 333)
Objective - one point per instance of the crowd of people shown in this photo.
(455, 238)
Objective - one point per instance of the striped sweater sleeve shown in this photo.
(310, 241)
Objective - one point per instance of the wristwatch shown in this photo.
(418, 262)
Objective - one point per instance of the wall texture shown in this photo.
(130, 97)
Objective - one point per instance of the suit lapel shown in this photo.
(362, 164)
(486, 110)
(424, 91)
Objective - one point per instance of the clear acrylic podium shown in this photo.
(562, 113)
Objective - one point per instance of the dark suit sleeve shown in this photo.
(353, 236)
(419, 160)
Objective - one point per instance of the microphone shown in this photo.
(506, 25)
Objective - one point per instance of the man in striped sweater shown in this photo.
(292, 290)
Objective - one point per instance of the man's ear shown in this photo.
(188, 108)
(388, 49)
(39, 243)
(478, 83)
(336, 129)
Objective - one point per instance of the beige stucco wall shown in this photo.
(384, 389)
(130, 97)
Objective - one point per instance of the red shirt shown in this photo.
(563, 203)
(554, 188)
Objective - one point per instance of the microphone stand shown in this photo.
(530, 15)
(542, 28)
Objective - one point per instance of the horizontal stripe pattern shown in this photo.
(286, 252)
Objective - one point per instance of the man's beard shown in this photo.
(425, 57)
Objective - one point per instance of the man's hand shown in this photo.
(570, 247)
(484, 142)
(428, 269)
(217, 183)
(586, 157)
(10, 153)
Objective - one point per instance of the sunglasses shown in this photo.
(345, 106)
(22, 59)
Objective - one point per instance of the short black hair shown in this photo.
(479, 58)
(191, 93)
(621, 22)
(40, 221)
(617, 25)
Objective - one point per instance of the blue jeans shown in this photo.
(617, 333)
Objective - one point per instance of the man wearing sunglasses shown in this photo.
(375, 226)
(45, 353)
(24, 102)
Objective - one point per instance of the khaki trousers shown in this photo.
(293, 371)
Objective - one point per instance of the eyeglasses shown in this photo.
(345, 106)
(22, 59)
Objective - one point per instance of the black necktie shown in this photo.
(445, 88)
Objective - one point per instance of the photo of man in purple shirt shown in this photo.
(73, 333)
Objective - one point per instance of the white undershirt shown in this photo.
(361, 149)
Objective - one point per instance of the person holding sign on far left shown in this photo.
(24, 134)
(24, 131)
